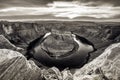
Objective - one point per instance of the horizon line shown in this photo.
(25, 20)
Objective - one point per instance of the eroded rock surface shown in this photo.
(54, 74)
(14, 66)
(6, 44)
(104, 67)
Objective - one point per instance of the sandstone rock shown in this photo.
(14, 66)
(55, 74)
(67, 75)
(104, 67)
(8, 29)
(6, 44)
(113, 33)
(52, 74)
(57, 43)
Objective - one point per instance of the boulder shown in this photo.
(104, 67)
(14, 66)
(51, 74)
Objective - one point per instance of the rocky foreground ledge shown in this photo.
(104, 67)
(14, 66)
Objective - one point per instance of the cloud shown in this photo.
(62, 9)
(25, 3)
(100, 2)
(73, 10)
(33, 3)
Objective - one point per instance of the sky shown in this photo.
(60, 9)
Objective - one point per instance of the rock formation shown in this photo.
(104, 67)
(14, 66)
(6, 44)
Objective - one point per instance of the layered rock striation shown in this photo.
(104, 67)
(14, 66)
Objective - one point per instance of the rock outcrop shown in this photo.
(55, 74)
(6, 44)
(14, 66)
(104, 67)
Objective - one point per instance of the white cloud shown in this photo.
(64, 9)
(61, 4)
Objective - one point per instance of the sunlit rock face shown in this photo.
(61, 49)
(14, 66)
(104, 67)
(6, 44)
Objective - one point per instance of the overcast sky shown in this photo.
(60, 9)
